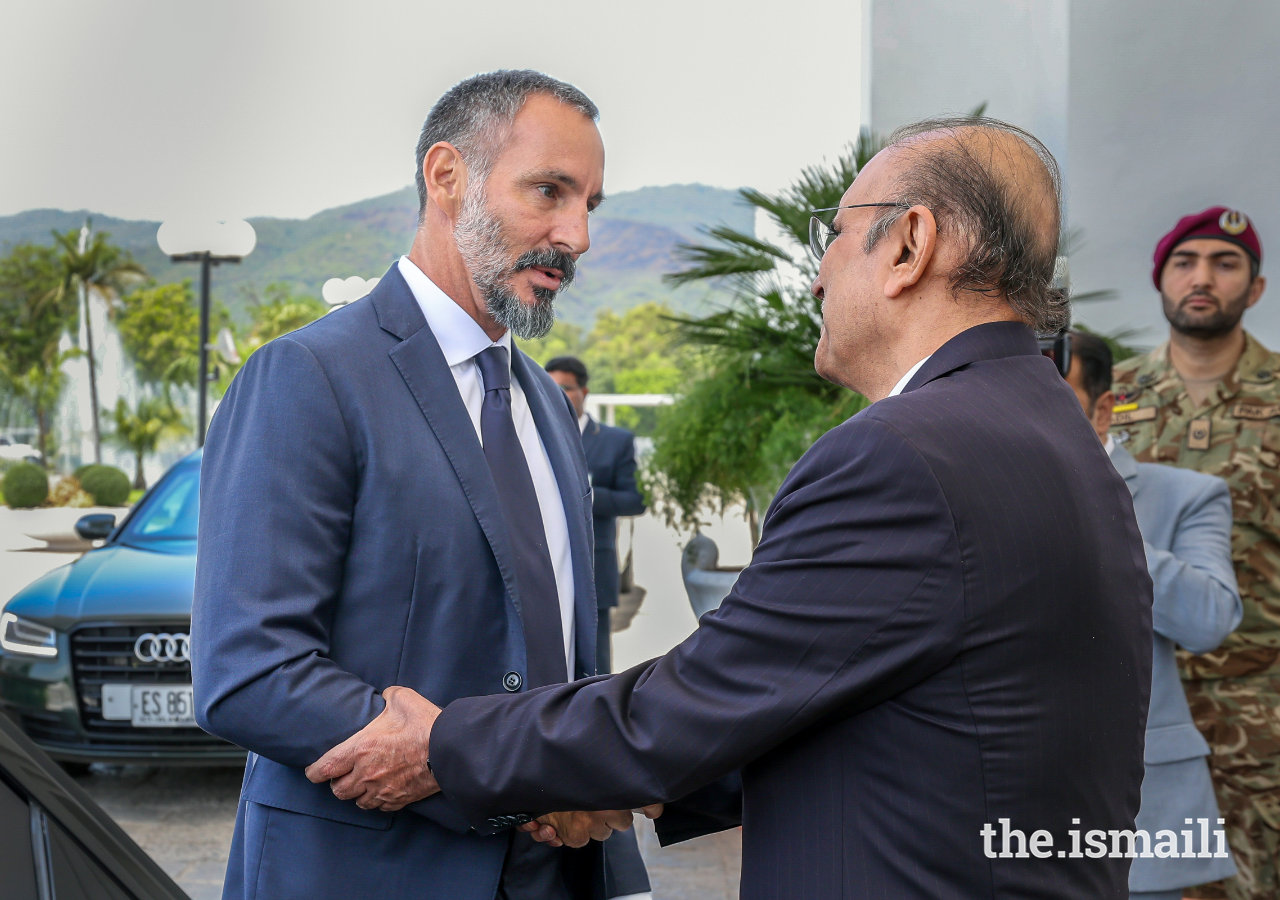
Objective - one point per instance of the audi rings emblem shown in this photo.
(163, 647)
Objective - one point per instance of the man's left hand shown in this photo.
(577, 828)
(384, 765)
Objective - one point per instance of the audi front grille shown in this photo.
(104, 654)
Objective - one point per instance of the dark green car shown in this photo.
(95, 655)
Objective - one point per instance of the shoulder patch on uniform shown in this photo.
(1127, 394)
(1255, 411)
(1128, 417)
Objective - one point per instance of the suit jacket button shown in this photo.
(512, 681)
(522, 819)
(493, 823)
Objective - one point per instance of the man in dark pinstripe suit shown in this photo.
(934, 674)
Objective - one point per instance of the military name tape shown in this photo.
(1134, 415)
(1256, 411)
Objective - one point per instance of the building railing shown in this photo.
(603, 407)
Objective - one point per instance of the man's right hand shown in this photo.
(384, 765)
(575, 829)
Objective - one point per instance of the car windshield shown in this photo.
(171, 513)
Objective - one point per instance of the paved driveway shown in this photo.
(183, 817)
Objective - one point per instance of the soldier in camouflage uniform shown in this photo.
(1209, 400)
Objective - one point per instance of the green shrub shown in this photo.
(107, 485)
(25, 486)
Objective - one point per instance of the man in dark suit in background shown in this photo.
(934, 673)
(611, 460)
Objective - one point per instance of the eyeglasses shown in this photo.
(821, 234)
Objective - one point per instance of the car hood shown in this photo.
(118, 582)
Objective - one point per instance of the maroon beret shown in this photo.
(1218, 222)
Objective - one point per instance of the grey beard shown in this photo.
(479, 238)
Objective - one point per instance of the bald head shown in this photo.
(994, 188)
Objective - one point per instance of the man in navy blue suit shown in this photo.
(611, 461)
(396, 495)
(934, 673)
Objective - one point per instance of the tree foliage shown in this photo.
(734, 434)
(638, 352)
(726, 442)
(34, 314)
(280, 311)
(141, 429)
(92, 265)
(159, 328)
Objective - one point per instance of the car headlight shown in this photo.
(26, 637)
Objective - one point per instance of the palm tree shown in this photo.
(33, 317)
(40, 386)
(752, 265)
(772, 328)
(140, 430)
(760, 401)
(92, 265)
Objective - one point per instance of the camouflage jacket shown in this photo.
(1236, 436)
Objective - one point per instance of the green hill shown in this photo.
(633, 235)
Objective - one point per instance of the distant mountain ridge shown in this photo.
(634, 234)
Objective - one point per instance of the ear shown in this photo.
(446, 177)
(1255, 290)
(913, 239)
(1103, 408)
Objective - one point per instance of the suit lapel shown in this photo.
(422, 366)
(554, 428)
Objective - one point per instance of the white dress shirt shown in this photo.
(902, 382)
(461, 338)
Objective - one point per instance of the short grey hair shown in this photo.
(1007, 255)
(476, 115)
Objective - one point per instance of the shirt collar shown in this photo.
(1109, 445)
(583, 421)
(902, 382)
(460, 337)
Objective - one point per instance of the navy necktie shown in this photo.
(535, 577)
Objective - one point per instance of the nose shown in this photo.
(572, 234)
(816, 288)
(1202, 276)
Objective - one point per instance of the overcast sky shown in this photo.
(146, 109)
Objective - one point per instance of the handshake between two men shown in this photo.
(385, 766)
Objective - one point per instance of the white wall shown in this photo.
(1173, 108)
(1154, 108)
(938, 56)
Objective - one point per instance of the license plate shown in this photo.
(149, 706)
